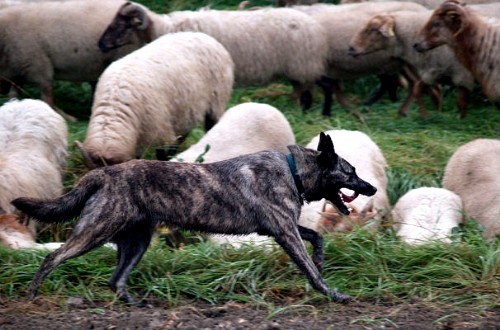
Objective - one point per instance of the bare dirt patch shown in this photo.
(77, 314)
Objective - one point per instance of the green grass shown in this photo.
(372, 266)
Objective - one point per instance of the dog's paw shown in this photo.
(341, 298)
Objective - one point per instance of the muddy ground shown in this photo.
(76, 314)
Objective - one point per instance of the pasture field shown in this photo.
(436, 286)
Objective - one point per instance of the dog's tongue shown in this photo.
(347, 198)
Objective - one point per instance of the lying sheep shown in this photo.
(472, 173)
(156, 94)
(396, 33)
(265, 44)
(55, 40)
(474, 39)
(358, 149)
(427, 214)
(341, 22)
(33, 150)
(243, 129)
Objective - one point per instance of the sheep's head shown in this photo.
(333, 221)
(131, 25)
(377, 34)
(445, 24)
(94, 160)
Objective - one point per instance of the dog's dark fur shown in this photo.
(253, 193)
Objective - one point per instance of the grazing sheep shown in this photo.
(33, 150)
(425, 214)
(156, 94)
(341, 22)
(265, 44)
(243, 129)
(54, 40)
(473, 173)
(396, 33)
(15, 235)
(358, 149)
(474, 39)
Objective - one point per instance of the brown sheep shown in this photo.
(474, 39)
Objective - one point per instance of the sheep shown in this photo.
(15, 235)
(431, 4)
(33, 151)
(472, 173)
(358, 149)
(396, 33)
(155, 94)
(341, 23)
(55, 40)
(427, 214)
(265, 44)
(243, 129)
(474, 39)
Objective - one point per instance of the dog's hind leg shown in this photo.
(291, 242)
(131, 247)
(316, 242)
(74, 247)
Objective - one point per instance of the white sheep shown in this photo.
(33, 150)
(265, 44)
(396, 33)
(243, 129)
(431, 4)
(474, 39)
(472, 172)
(358, 149)
(341, 22)
(427, 214)
(55, 40)
(156, 94)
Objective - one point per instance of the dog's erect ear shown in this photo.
(327, 155)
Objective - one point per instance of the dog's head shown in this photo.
(324, 174)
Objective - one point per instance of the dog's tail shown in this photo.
(64, 207)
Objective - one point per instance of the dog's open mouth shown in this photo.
(343, 196)
(348, 198)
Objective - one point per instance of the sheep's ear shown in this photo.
(454, 21)
(387, 29)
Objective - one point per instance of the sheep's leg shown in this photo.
(436, 93)
(389, 84)
(415, 91)
(131, 247)
(302, 93)
(48, 97)
(317, 244)
(290, 241)
(418, 88)
(463, 101)
(326, 85)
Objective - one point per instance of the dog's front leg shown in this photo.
(291, 242)
(317, 243)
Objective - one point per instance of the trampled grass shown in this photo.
(371, 266)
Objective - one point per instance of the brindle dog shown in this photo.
(257, 193)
